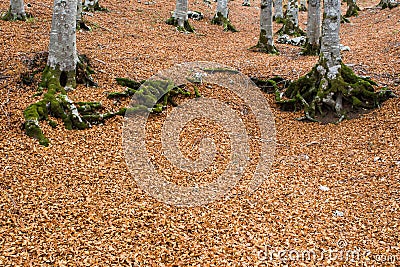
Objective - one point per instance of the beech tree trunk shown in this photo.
(222, 8)
(180, 17)
(313, 28)
(16, 11)
(331, 86)
(266, 39)
(180, 13)
(278, 17)
(221, 16)
(62, 47)
(291, 23)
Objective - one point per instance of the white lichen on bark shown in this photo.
(79, 12)
(278, 10)
(90, 4)
(180, 13)
(62, 46)
(292, 13)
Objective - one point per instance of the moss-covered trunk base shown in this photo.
(56, 104)
(310, 49)
(9, 16)
(352, 9)
(219, 19)
(331, 100)
(290, 29)
(185, 28)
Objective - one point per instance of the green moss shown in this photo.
(186, 25)
(315, 93)
(310, 49)
(219, 19)
(290, 29)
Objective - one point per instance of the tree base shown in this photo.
(331, 100)
(186, 25)
(219, 19)
(265, 48)
(14, 17)
(352, 10)
(55, 103)
(310, 49)
(290, 30)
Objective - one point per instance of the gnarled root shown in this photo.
(318, 95)
(219, 19)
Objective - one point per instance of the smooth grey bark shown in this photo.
(222, 8)
(313, 27)
(16, 11)
(62, 47)
(330, 41)
(291, 23)
(266, 39)
(278, 16)
(180, 13)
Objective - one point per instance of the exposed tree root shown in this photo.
(271, 85)
(55, 103)
(151, 95)
(186, 25)
(343, 19)
(219, 19)
(320, 97)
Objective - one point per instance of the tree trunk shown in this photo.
(278, 17)
(331, 86)
(62, 48)
(291, 23)
(180, 17)
(313, 28)
(221, 16)
(352, 8)
(266, 39)
(16, 11)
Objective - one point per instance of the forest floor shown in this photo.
(75, 203)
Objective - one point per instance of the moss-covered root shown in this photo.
(343, 19)
(291, 30)
(319, 96)
(310, 49)
(219, 19)
(9, 16)
(352, 9)
(152, 95)
(279, 20)
(186, 25)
